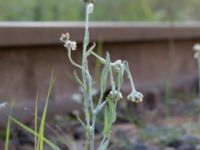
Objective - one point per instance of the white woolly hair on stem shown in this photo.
(107, 104)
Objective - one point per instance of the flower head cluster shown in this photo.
(117, 65)
(90, 8)
(116, 94)
(135, 96)
(197, 51)
(70, 45)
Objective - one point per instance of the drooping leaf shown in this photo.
(112, 82)
(120, 77)
(104, 75)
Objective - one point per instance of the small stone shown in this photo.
(190, 139)
(153, 148)
(186, 146)
(169, 148)
(140, 146)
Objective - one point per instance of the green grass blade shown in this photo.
(31, 131)
(7, 134)
(35, 119)
(8, 128)
(42, 123)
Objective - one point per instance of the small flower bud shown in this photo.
(70, 45)
(116, 94)
(197, 47)
(64, 37)
(117, 65)
(76, 112)
(135, 97)
(90, 8)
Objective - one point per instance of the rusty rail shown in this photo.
(26, 33)
(157, 52)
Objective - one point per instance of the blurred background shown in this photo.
(120, 10)
(156, 37)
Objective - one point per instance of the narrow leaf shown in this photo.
(7, 134)
(8, 128)
(104, 75)
(42, 123)
(36, 118)
(112, 110)
(31, 131)
(106, 129)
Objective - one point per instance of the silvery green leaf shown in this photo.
(104, 75)
(99, 108)
(120, 77)
(106, 129)
(119, 83)
(112, 110)
(112, 82)
(104, 145)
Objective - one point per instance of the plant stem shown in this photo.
(87, 80)
(199, 76)
(130, 77)
(84, 66)
(73, 63)
(98, 57)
